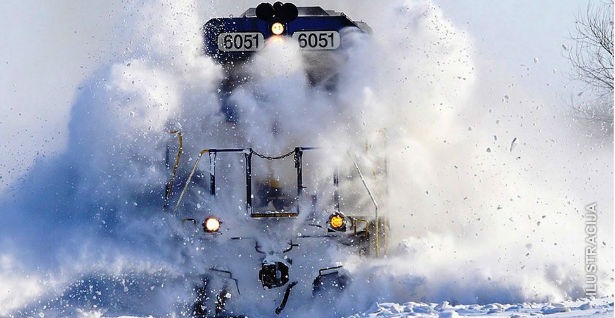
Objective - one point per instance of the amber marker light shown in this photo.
(337, 222)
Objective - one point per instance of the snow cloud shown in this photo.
(486, 185)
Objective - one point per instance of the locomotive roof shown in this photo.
(303, 11)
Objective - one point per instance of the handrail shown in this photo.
(201, 153)
(180, 149)
(248, 152)
(371, 196)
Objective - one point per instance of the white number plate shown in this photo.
(240, 41)
(318, 40)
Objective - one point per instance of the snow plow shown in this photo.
(275, 228)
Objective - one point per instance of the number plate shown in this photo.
(240, 41)
(318, 40)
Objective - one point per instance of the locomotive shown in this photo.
(272, 231)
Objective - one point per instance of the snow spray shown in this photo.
(485, 195)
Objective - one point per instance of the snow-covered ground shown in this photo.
(602, 307)
(599, 308)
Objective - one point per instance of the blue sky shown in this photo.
(513, 34)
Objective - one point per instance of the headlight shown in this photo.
(337, 222)
(277, 28)
(211, 224)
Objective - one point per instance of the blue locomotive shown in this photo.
(274, 242)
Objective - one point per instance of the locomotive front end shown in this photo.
(273, 229)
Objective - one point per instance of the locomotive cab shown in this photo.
(318, 33)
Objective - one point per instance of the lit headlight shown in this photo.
(277, 28)
(211, 224)
(337, 222)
